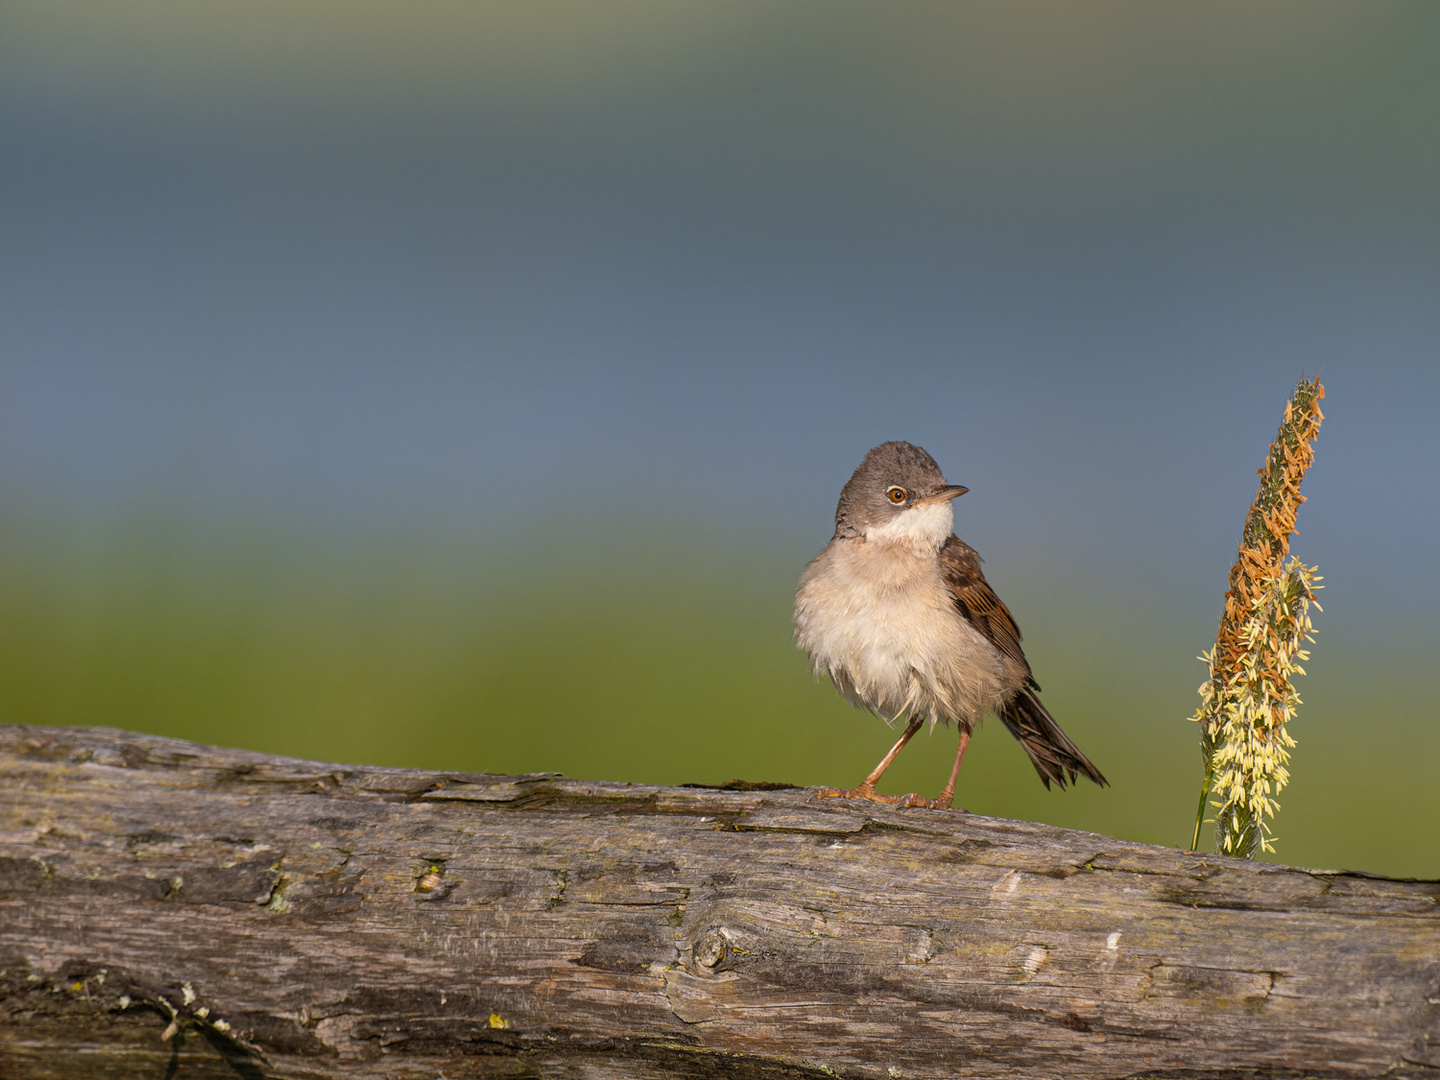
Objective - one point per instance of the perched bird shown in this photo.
(896, 610)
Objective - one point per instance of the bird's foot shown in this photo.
(861, 791)
(943, 802)
(867, 791)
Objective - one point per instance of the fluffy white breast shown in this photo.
(876, 616)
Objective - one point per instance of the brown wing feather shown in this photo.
(960, 565)
(1050, 749)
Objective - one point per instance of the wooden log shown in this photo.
(172, 909)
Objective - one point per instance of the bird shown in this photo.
(897, 612)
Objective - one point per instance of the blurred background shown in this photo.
(466, 385)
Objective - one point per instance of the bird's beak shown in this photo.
(945, 494)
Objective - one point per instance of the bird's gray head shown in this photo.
(899, 494)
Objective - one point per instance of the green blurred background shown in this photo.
(465, 385)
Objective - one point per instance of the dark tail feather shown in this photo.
(1050, 749)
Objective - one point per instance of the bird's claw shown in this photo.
(943, 802)
(867, 791)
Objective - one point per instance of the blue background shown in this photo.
(465, 385)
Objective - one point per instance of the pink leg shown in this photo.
(946, 797)
(866, 788)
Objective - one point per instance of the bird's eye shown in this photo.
(897, 494)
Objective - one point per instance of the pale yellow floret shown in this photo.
(1247, 711)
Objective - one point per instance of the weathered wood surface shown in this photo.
(171, 909)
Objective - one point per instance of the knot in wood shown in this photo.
(712, 948)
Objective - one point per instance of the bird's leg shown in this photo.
(866, 788)
(946, 797)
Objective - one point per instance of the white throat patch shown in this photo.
(920, 526)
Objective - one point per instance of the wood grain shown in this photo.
(172, 909)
